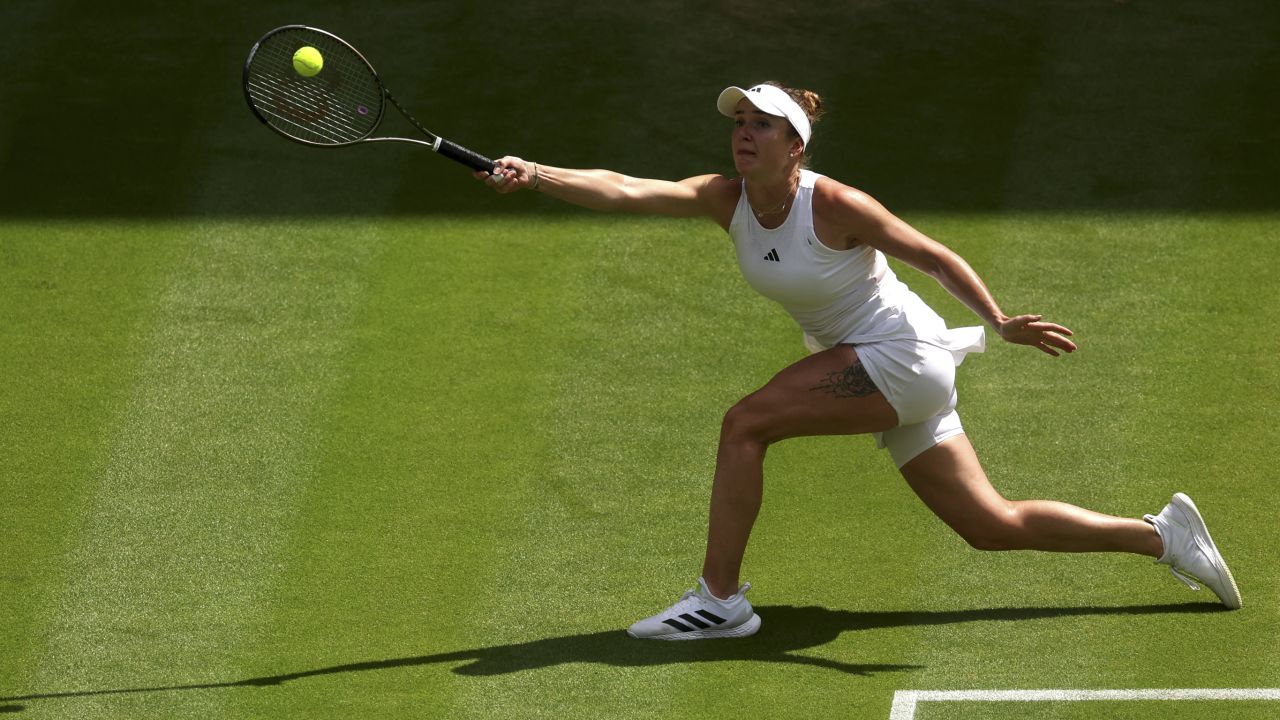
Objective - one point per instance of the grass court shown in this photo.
(290, 433)
(432, 468)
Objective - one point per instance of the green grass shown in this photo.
(430, 468)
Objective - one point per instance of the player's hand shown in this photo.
(510, 175)
(1031, 330)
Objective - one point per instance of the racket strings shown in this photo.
(330, 93)
(306, 106)
(339, 105)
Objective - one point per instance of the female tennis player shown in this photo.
(883, 362)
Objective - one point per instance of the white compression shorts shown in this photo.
(919, 381)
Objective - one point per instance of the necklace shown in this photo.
(780, 206)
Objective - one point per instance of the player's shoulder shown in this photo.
(714, 182)
(717, 193)
(836, 200)
(724, 186)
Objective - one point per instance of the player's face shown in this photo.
(762, 143)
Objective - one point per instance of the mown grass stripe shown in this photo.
(432, 449)
(71, 296)
(212, 454)
(579, 554)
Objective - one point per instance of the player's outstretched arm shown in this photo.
(863, 220)
(610, 191)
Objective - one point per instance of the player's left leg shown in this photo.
(951, 482)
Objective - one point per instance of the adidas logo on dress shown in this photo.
(773, 256)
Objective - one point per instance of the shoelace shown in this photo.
(1187, 578)
(681, 604)
(693, 593)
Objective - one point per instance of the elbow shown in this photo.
(946, 266)
(623, 195)
(938, 269)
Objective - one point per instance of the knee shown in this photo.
(1000, 529)
(744, 422)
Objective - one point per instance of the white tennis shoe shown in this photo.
(1189, 551)
(699, 615)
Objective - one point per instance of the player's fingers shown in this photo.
(508, 165)
(492, 175)
(1060, 342)
(1050, 327)
(507, 181)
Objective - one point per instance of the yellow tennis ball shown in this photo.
(308, 61)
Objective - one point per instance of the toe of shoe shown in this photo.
(647, 628)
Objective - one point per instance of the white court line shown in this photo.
(905, 701)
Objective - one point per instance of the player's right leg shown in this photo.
(827, 393)
(699, 615)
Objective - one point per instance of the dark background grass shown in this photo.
(137, 109)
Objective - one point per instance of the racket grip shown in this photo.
(470, 158)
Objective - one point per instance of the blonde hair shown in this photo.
(810, 102)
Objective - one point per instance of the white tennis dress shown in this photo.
(853, 296)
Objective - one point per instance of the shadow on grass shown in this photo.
(787, 629)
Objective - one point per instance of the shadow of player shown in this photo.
(787, 631)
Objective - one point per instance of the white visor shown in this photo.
(770, 100)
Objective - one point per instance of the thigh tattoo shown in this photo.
(852, 382)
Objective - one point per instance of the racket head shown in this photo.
(340, 105)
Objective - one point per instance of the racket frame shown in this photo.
(444, 147)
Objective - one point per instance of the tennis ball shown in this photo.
(308, 61)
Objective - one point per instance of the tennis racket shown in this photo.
(340, 105)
